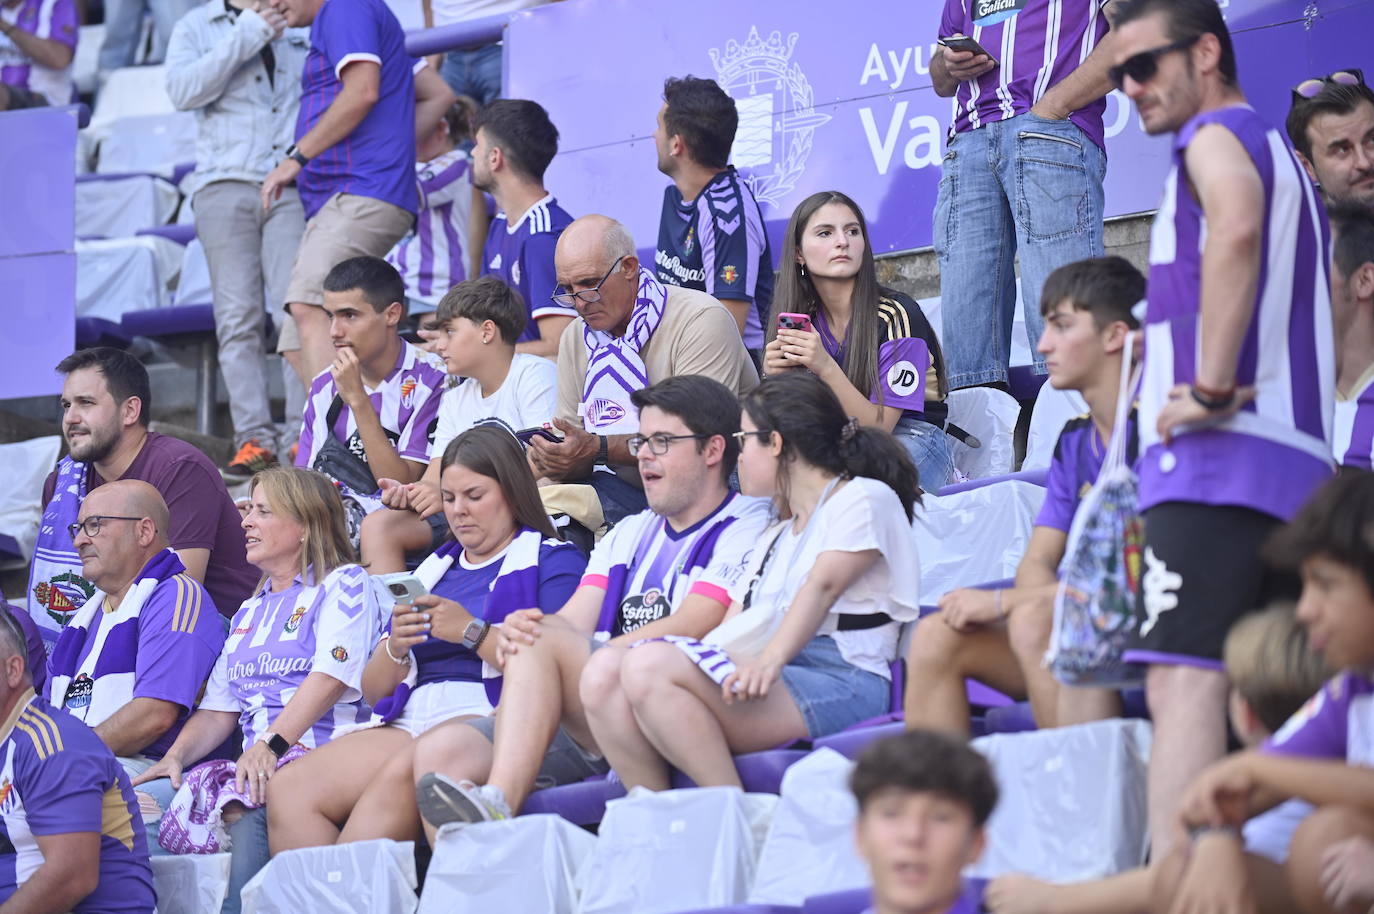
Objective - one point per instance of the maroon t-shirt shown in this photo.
(203, 514)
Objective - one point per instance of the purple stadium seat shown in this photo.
(851, 742)
(582, 804)
(1017, 718)
(96, 331)
(186, 325)
(850, 901)
(1032, 476)
(181, 233)
(1024, 382)
(761, 772)
(181, 171)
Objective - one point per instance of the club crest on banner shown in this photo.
(63, 595)
(777, 120)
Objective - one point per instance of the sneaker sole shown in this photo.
(441, 804)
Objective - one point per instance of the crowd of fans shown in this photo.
(572, 531)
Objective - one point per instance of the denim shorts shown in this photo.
(565, 762)
(831, 692)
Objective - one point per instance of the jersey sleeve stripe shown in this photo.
(48, 724)
(711, 591)
(178, 602)
(595, 580)
(40, 744)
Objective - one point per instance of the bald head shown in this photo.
(132, 529)
(595, 239)
(131, 498)
(587, 249)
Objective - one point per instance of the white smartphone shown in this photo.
(404, 586)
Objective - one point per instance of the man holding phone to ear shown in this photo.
(1023, 168)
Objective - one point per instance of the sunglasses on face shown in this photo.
(1142, 67)
(1309, 88)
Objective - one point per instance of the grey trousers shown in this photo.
(249, 250)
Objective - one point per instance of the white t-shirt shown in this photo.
(525, 399)
(858, 515)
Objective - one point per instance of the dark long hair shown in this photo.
(795, 292)
(804, 410)
(492, 451)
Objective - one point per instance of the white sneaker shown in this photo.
(442, 800)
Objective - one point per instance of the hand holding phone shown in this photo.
(791, 320)
(539, 431)
(967, 69)
(404, 586)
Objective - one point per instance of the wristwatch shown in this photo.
(294, 152)
(603, 452)
(475, 634)
(276, 743)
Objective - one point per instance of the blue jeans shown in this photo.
(619, 499)
(928, 446)
(1028, 187)
(124, 27)
(475, 72)
(248, 854)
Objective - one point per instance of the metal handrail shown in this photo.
(470, 33)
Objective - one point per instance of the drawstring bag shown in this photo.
(1099, 580)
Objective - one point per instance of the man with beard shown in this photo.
(516, 141)
(1331, 125)
(105, 414)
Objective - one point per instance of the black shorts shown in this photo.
(1202, 571)
(24, 98)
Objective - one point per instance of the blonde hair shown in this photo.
(312, 501)
(1271, 665)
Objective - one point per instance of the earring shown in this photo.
(803, 269)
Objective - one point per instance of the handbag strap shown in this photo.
(1116, 448)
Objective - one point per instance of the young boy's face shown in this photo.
(1337, 610)
(916, 845)
(459, 345)
(1073, 347)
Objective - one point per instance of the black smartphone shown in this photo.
(525, 434)
(965, 43)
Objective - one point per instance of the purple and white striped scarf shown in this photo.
(194, 824)
(615, 369)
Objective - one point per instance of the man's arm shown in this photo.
(1039, 566)
(949, 68)
(381, 453)
(550, 332)
(196, 75)
(697, 615)
(136, 725)
(433, 98)
(46, 52)
(739, 309)
(69, 872)
(196, 561)
(1085, 85)
(710, 345)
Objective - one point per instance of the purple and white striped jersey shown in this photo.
(432, 259)
(1275, 451)
(54, 20)
(1337, 723)
(1036, 43)
(521, 256)
(278, 639)
(407, 404)
(1353, 433)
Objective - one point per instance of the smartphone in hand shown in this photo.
(404, 586)
(790, 320)
(526, 434)
(965, 43)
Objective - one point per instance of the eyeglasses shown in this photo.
(1309, 88)
(741, 435)
(587, 296)
(659, 443)
(91, 525)
(1142, 67)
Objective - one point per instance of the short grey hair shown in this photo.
(617, 242)
(12, 637)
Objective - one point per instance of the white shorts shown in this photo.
(435, 702)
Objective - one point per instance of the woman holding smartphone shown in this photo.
(429, 668)
(872, 346)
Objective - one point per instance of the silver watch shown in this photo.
(475, 634)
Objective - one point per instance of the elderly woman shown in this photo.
(429, 668)
(290, 673)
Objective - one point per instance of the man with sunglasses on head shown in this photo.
(132, 660)
(664, 571)
(1236, 396)
(1331, 125)
(1023, 168)
(632, 331)
(106, 405)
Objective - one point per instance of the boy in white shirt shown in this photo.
(479, 322)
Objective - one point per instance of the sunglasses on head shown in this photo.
(1142, 67)
(1309, 88)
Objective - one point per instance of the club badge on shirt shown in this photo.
(638, 610)
(293, 621)
(339, 653)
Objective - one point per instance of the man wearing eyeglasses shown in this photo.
(632, 331)
(1331, 125)
(1023, 167)
(1237, 389)
(133, 658)
(664, 571)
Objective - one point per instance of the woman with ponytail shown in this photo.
(806, 647)
(871, 345)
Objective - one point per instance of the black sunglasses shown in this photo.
(1142, 67)
(1309, 88)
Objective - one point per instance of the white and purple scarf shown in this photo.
(194, 823)
(615, 369)
(516, 587)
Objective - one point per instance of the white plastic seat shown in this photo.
(1052, 409)
(989, 415)
(117, 275)
(336, 879)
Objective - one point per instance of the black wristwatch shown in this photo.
(475, 633)
(276, 743)
(603, 450)
(294, 152)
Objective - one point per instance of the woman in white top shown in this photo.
(807, 646)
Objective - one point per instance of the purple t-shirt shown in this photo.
(54, 20)
(378, 158)
(521, 256)
(1036, 43)
(59, 778)
(203, 514)
(560, 571)
(1077, 460)
(1336, 723)
(169, 647)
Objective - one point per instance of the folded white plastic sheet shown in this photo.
(810, 845)
(26, 464)
(118, 275)
(150, 142)
(190, 883)
(529, 863)
(119, 207)
(990, 416)
(975, 536)
(1072, 801)
(371, 876)
(676, 850)
(1052, 409)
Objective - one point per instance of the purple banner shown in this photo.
(835, 96)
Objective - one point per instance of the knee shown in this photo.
(934, 646)
(1327, 826)
(646, 669)
(600, 678)
(1028, 630)
(455, 748)
(1170, 689)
